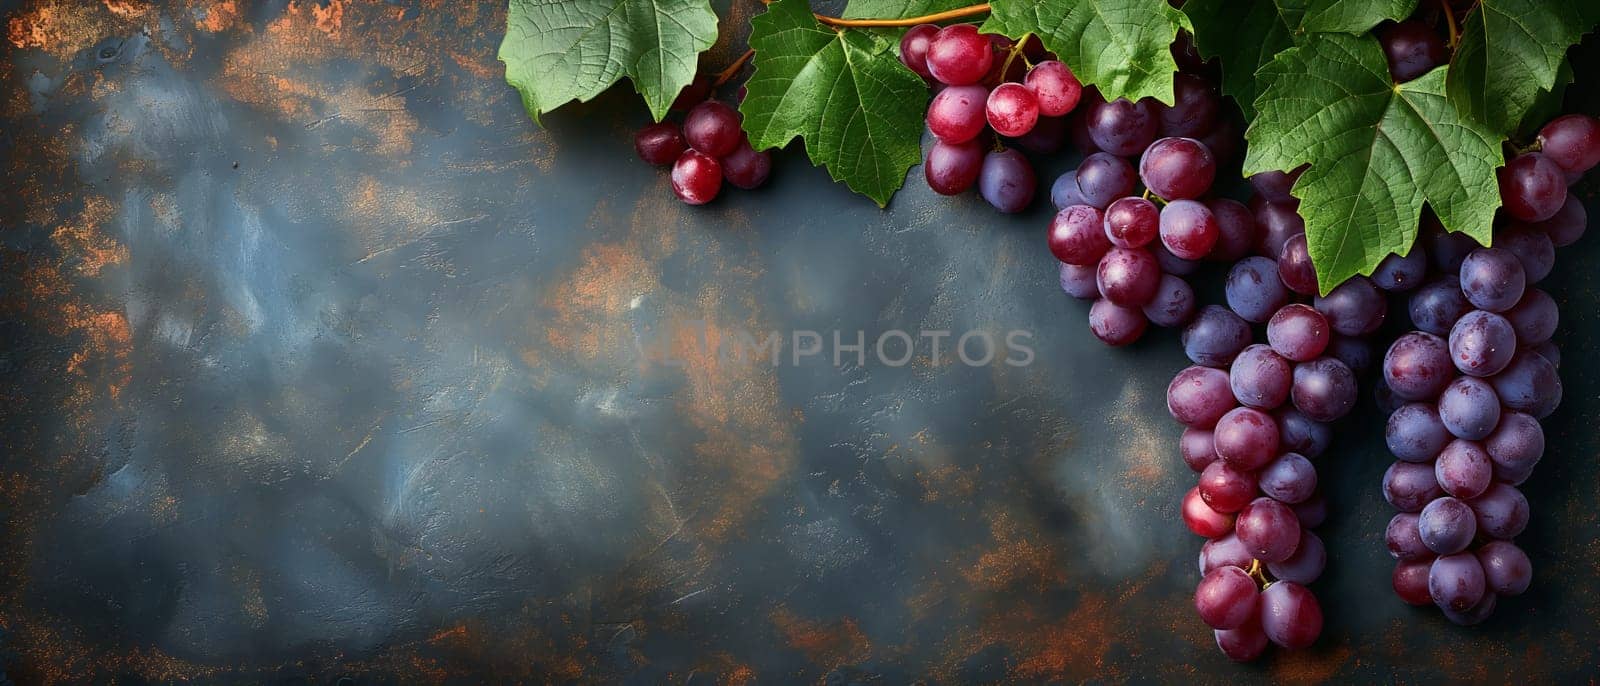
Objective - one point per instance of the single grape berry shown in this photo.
(1188, 229)
(1236, 227)
(1129, 276)
(1532, 188)
(1114, 324)
(1568, 224)
(1103, 177)
(1132, 222)
(959, 55)
(1177, 168)
(914, 48)
(956, 114)
(1273, 186)
(1295, 267)
(1412, 48)
(659, 144)
(746, 167)
(1492, 279)
(1077, 236)
(1173, 303)
(1056, 88)
(952, 168)
(1006, 180)
(712, 128)
(1012, 109)
(696, 177)
(693, 94)
(1079, 282)
(1123, 127)
(1572, 141)
(1194, 109)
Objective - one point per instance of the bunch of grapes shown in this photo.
(1468, 387)
(708, 149)
(989, 91)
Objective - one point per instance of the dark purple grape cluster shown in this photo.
(989, 91)
(1467, 388)
(709, 148)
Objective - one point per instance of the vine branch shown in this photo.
(957, 13)
(1450, 24)
(726, 75)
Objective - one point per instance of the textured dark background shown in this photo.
(315, 365)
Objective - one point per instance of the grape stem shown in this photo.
(1450, 24)
(957, 13)
(1012, 54)
(726, 75)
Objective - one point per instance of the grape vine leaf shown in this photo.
(1377, 152)
(1547, 104)
(1246, 34)
(1509, 52)
(898, 9)
(558, 51)
(1123, 47)
(844, 92)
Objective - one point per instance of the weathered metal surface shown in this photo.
(319, 362)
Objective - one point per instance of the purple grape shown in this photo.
(1532, 187)
(1290, 615)
(1177, 168)
(1548, 351)
(1079, 282)
(1246, 438)
(1226, 598)
(952, 168)
(1194, 109)
(1533, 249)
(1289, 479)
(1188, 229)
(659, 144)
(1306, 564)
(1572, 141)
(1132, 222)
(746, 167)
(1568, 224)
(1268, 529)
(712, 128)
(1260, 378)
(1404, 540)
(1412, 48)
(1114, 324)
(1058, 89)
(1065, 192)
(1438, 305)
(1409, 486)
(1298, 332)
(1456, 582)
(1254, 290)
(1276, 223)
(1173, 303)
(1516, 445)
(1196, 448)
(1482, 343)
(1534, 318)
(1356, 353)
(1129, 276)
(1104, 177)
(1077, 236)
(1203, 520)
(1274, 186)
(1410, 581)
(1355, 308)
(1313, 512)
(1199, 396)
(1006, 181)
(1225, 488)
(1415, 434)
(956, 114)
(1501, 512)
(1529, 384)
(914, 48)
(1324, 389)
(1122, 127)
(1506, 569)
(1477, 614)
(1447, 249)
(1492, 279)
(696, 177)
(1215, 336)
(1224, 551)
(1295, 268)
(1417, 366)
(1243, 644)
(1463, 469)
(1469, 408)
(1398, 274)
(1301, 434)
(1236, 229)
(1447, 526)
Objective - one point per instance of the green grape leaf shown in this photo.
(1246, 34)
(845, 92)
(558, 51)
(898, 9)
(1547, 104)
(1377, 152)
(1509, 52)
(1120, 46)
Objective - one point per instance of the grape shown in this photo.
(1534, 318)
(1224, 551)
(1516, 444)
(1355, 308)
(1355, 353)
(1306, 564)
(712, 128)
(1482, 343)
(1077, 236)
(1184, 53)
(1501, 512)
(1567, 226)
(1409, 486)
(1129, 276)
(1215, 336)
(696, 177)
(1268, 529)
(1289, 479)
(1056, 88)
(1236, 229)
(1173, 303)
(1410, 581)
(1078, 122)
(1571, 141)
(1188, 229)
(1132, 222)
(1225, 488)
(1194, 109)
(1438, 305)
(1260, 378)
(1172, 264)
(1298, 332)
(1203, 520)
(1114, 324)
(1079, 282)
(1415, 434)
(1447, 526)
(1226, 598)
(659, 144)
(1417, 366)
(1301, 434)
(693, 94)
(1243, 644)
(1254, 290)
(914, 48)
(1196, 448)
(1311, 513)
(1012, 109)
(1404, 540)
(1446, 249)
(956, 114)
(1506, 569)
(1456, 582)
(1492, 279)
(1412, 48)
(1398, 274)
(1469, 408)
(1006, 181)
(1048, 137)
(1477, 614)
(1276, 223)
(1533, 249)
(1177, 168)
(1273, 186)
(1103, 177)
(959, 56)
(1122, 127)
(1529, 384)
(952, 168)
(1295, 268)
(1324, 389)
(1066, 192)
(1532, 187)
(1548, 351)
(1290, 615)
(1246, 438)
(745, 167)
(1463, 469)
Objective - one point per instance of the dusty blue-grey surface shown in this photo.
(321, 360)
